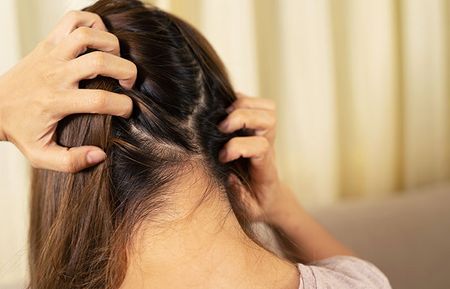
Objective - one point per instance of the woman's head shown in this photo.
(82, 223)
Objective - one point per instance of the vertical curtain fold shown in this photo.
(308, 148)
(426, 88)
(13, 169)
(362, 89)
(367, 96)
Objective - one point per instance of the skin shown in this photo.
(203, 246)
(272, 201)
(43, 88)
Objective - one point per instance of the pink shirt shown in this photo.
(342, 272)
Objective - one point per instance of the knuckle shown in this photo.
(72, 15)
(47, 104)
(98, 60)
(50, 77)
(68, 163)
(238, 115)
(96, 17)
(82, 34)
(88, 15)
(45, 45)
(98, 100)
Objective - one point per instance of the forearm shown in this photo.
(302, 237)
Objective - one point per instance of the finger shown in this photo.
(83, 38)
(248, 118)
(90, 65)
(253, 147)
(244, 101)
(69, 160)
(71, 21)
(94, 101)
(246, 198)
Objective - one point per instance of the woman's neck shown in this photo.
(203, 246)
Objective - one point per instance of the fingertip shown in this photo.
(100, 26)
(234, 183)
(127, 114)
(128, 107)
(97, 21)
(132, 71)
(239, 94)
(127, 83)
(223, 126)
(233, 179)
(226, 156)
(123, 106)
(223, 156)
(96, 156)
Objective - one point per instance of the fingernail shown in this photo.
(94, 157)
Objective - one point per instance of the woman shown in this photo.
(185, 177)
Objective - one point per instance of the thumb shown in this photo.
(69, 160)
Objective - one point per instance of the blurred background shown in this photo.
(362, 88)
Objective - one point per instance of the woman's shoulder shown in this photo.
(342, 272)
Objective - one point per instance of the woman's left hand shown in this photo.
(267, 194)
(43, 88)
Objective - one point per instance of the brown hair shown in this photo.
(82, 223)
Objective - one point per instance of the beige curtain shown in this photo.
(13, 173)
(362, 88)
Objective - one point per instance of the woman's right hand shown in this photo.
(270, 200)
(43, 88)
(268, 197)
